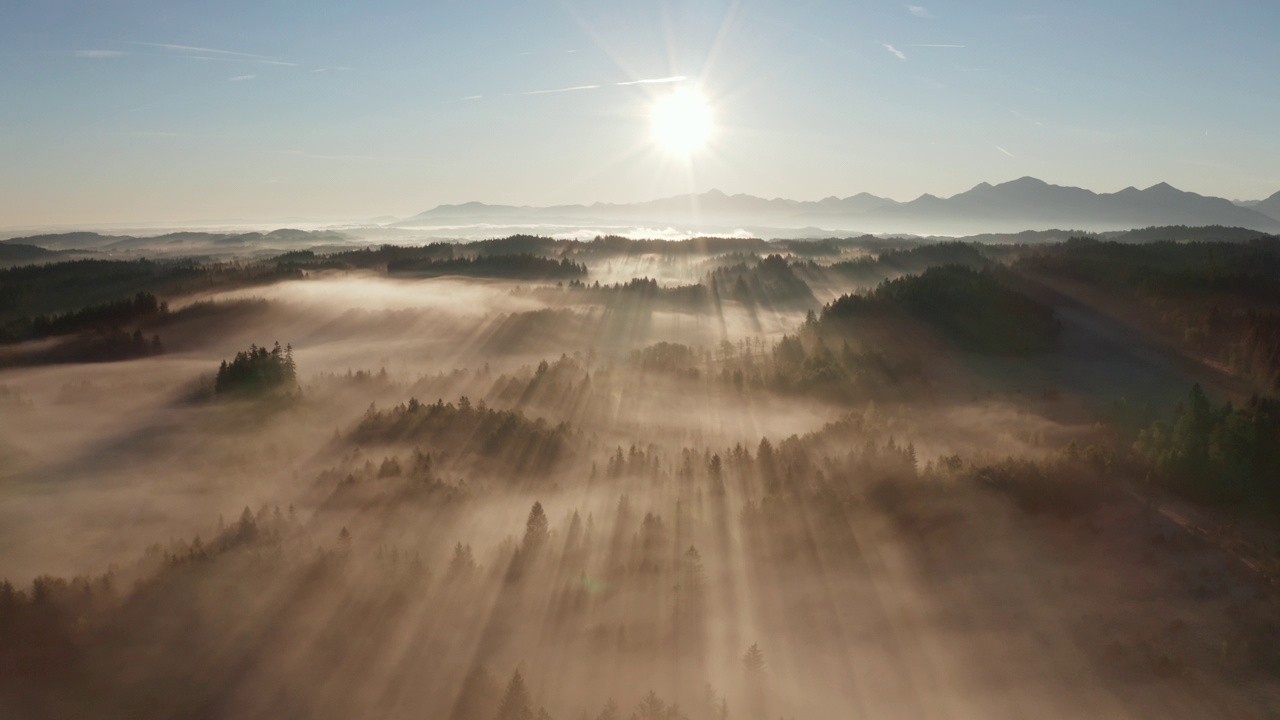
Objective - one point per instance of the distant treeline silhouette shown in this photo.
(521, 266)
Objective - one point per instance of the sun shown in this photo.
(681, 122)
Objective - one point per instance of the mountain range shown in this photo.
(1023, 204)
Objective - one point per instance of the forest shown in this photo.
(617, 479)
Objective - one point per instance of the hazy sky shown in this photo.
(136, 110)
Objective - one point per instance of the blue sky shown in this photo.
(141, 110)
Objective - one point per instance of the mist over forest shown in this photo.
(302, 474)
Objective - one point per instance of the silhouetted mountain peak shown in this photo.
(1026, 202)
(1269, 207)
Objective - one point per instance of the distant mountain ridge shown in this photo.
(1269, 207)
(1023, 204)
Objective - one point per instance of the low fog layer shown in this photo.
(643, 480)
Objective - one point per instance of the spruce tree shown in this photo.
(515, 701)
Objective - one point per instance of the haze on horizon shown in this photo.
(149, 112)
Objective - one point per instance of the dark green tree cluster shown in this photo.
(614, 245)
(1256, 352)
(1249, 270)
(977, 310)
(1223, 454)
(107, 345)
(1219, 300)
(521, 266)
(1065, 486)
(79, 295)
(769, 282)
(907, 261)
(522, 245)
(257, 370)
(142, 306)
(565, 379)
(805, 363)
(485, 436)
(680, 298)
(666, 357)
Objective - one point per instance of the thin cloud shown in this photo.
(234, 59)
(919, 12)
(562, 90)
(192, 52)
(1020, 116)
(1006, 152)
(895, 51)
(214, 51)
(577, 88)
(99, 53)
(239, 78)
(647, 81)
(471, 97)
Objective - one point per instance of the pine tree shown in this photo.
(515, 701)
(610, 711)
(536, 528)
(650, 707)
(463, 562)
(753, 659)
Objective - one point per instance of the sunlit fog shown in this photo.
(639, 361)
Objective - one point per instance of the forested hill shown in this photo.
(186, 241)
(11, 252)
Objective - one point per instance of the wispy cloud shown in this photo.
(561, 90)
(192, 52)
(99, 53)
(472, 97)
(597, 86)
(239, 60)
(895, 51)
(920, 12)
(648, 81)
(202, 50)
(1020, 116)
(238, 78)
(1006, 152)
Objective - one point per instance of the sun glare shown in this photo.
(681, 122)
